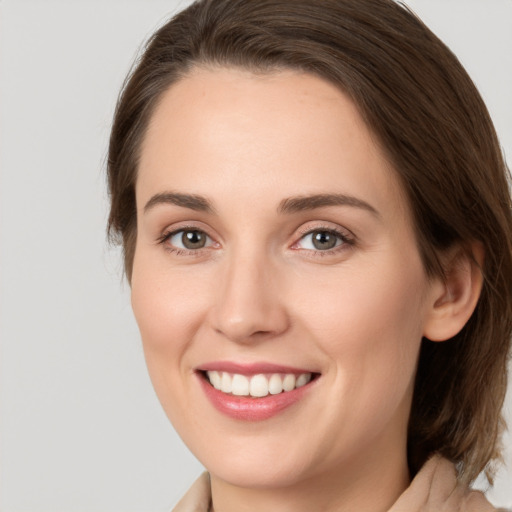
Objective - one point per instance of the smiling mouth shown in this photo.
(257, 386)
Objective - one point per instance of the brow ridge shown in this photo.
(286, 206)
(311, 202)
(191, 201)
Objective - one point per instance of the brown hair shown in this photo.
(423, 107)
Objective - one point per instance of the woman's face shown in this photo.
(275, 250)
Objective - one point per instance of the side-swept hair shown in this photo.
(431, 121)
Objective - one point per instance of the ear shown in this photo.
(453, 299)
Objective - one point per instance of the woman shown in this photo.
(316, 225)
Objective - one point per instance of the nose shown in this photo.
(249, 307)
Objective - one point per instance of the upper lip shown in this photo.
(250, 368)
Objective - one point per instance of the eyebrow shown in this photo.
(286, 206)
(304, 203)
(190, 201)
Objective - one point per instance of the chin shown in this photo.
(258, 474)
(255, 461)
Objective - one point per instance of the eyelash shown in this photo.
(181, 252)
(346, 241)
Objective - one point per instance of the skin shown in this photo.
(258, 291)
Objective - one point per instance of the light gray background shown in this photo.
(81, 428)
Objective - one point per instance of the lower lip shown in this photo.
(252, 409)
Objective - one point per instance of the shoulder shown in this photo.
(198, 497)
(436, 488)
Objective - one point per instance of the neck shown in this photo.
(371, 484)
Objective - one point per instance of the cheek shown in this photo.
(370, 325)
(166, 303)
(169, 309)
(364, 305)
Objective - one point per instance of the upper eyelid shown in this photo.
(164, 241)
(344, 237)
(169, 233)
(336, 232)
(173, 229)
(305, 229)
(347, 237)
(327, 226)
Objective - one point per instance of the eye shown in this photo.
(187, 239)
(322, 240)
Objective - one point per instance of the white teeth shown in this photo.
(275, 384)
(225, 383)
(289, 382)
(302, 380)
(215, 379)
(240, 385)
(258, 385)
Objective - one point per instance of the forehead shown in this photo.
(230, 133)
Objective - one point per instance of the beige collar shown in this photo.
(434, 488)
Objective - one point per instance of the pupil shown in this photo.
(323, 240)
(193, 239)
